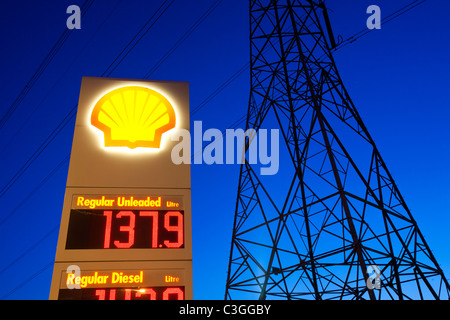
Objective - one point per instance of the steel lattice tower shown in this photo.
(332, 221)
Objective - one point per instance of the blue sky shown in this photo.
(396, 76)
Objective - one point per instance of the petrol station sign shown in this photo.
(126, 220)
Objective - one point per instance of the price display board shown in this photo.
(144, 293)
(108, 223)
(117, 282)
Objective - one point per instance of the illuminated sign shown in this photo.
(126, 217)
(124, 222)
(93, 202)
(133, 117)
(123, 285)
(152, 293)
(96, 279)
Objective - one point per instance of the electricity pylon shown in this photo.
(331, 224)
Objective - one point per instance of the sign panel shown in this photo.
(123, 222)
(125, 199)
(119, 281)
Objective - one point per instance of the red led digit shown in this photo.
(154, 215)
(127, 294)
(126, 228)
(150, 292)
(177, 228)
(107, 241)
(173, 291)
(100, 293)
(112, 294)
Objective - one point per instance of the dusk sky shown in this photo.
(397, 77)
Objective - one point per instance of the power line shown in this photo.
(37, 243)
(388, 18)
(184, 37)
(133, 41)
(43, 181)
(221, 88)
(71, 114)
(40, 70)
(225, 84)
(39, 151)
(25, 282)
(58, 81)
(234, 125)
(107, 72)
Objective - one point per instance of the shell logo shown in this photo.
(133, 117)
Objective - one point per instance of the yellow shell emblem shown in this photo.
(133, 117)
